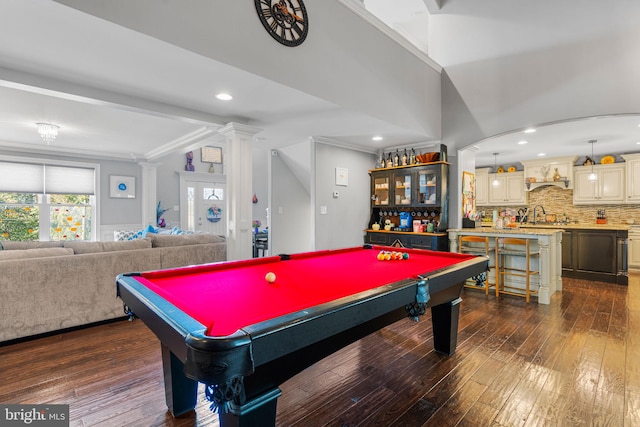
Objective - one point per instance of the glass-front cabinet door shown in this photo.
(380, 190)
(428, 187)
(402, 188)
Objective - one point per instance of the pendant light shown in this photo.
(495, 182)
(592, 176)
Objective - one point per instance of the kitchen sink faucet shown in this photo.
(535, 219)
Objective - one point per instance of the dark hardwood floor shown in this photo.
(574, 362)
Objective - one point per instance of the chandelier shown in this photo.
(47, 132)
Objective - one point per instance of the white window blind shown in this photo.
(46, 179)
(68, 180)
(21, 178)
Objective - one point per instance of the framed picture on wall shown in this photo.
(211, 154)
(342, 176)
(122, 187)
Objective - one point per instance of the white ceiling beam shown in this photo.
(42, 85)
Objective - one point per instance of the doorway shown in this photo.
(203, 202)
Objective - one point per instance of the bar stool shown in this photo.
(478, 245)
(508, 251)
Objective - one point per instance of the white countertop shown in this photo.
(509, 230)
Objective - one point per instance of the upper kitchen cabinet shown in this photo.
(556, 171)
(608, 187)
(506, 189)
(482, 186)
(632, 162)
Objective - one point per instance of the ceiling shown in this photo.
(108, 105)
(613, 135)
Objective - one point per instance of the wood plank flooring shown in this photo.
(575, 362)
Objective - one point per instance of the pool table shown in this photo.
(226, 326)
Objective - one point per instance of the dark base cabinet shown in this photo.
(434, 242)
(599, 255)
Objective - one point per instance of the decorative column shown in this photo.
(149, 195)
(239, 171)
(545, 267)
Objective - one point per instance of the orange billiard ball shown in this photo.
(270, 277)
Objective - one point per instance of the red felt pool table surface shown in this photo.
(228, 296)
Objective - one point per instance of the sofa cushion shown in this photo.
(119, 235)
(164, 240)
(94, 247)
(34, 253)
(126, 245)
(10, 245)
(84, 247)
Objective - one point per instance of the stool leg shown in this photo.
(498, 269)
(527, 272)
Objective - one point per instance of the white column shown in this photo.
(544, 292)
(558, 261)
(149, 195)
(239, 171)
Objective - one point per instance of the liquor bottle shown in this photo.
(389, 161)
(404, 158)
(396, 158)
(412, 159)
(383, 162)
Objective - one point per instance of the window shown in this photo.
(46, 201)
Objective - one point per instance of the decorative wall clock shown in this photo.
(285, 20)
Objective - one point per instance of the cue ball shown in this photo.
(270, 277)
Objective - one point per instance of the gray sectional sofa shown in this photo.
(49, 286)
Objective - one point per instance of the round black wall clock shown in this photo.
(285, 20)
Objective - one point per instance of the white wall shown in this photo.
(347, 215)
(507, 84)
(290, 227)
(344, 60)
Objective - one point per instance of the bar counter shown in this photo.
(549, 240)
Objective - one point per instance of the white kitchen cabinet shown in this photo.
(609, 187)
(633, 250)
(509, 190)
(482, 187)
(632, 163)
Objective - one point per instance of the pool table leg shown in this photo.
(180, 392)
(444, 318)
(259, 411)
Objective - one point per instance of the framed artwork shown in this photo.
(468, 195)
(342, 176)
(211, 154)
(122, 187)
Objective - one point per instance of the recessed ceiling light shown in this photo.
(530, 130)
(523, 142)
(542, 154)
(377, 138)
(638, 142)
(224, 97)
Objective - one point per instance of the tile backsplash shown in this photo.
(559, 201)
